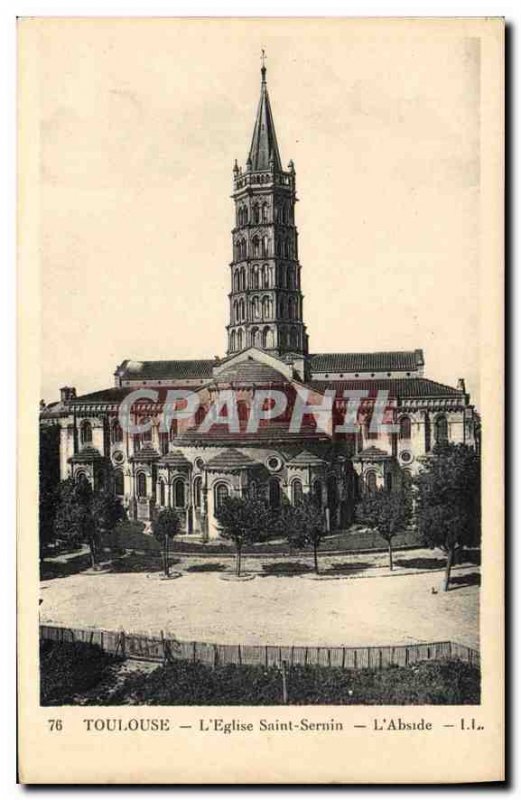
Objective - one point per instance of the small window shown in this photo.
(297, 492)
(119, 483)
(405, 428)
(370, 482)
(221, 492)
(161, 493)
(441, 430)
(141, 485)
(274, 493)
(116, 432)
(86, 432)
(179, 493)
(197, 492)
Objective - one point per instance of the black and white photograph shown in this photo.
(262, 374)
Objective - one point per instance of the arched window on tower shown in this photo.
(255, 276)
(242, 312)
(242, 279)
(286, 248)
(255, 309)
(265, 246)
(441, 430)
(233, 341)
(256, 246)
(265, 276)
(256, 218)
(266, 307)
(294, 338)
(240, 339)
(264, 212)
(254, 337)
(267, 338)
(405, 427)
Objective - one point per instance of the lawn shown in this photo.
(82, 674)
(130, 535)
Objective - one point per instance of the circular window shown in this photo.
(273, 463)
(199, 463)
(118, 456)
(405, 456)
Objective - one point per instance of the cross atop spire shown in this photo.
(264, 151)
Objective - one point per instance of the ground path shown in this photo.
(373, 609)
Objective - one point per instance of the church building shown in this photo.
(192, 467)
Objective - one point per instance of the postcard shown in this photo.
(261, 384)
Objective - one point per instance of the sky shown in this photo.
(139, 123)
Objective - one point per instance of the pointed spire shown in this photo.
(264, 151)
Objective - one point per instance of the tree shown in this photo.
(304, 525)
(74, 518)
(107, 511)
(385, 512)
(243, 520)
(448, 501)
(49, 472)
(164, 527)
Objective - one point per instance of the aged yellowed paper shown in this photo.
(260, 422)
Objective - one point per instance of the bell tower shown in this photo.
(265, 297)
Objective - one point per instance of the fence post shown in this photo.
(284, 683)
(194, 651)
(266, 655)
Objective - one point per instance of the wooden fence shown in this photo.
(165, 648)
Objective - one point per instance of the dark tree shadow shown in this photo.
(62, 569)
(285, 569)
(348, 568)
(421, 563)
(138, 562)
(211, 567)
(460, 581)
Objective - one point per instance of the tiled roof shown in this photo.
(231, 459)
(146, 454)
(271, 430)
(86, 456)
(373, 454)
(162, 370)
(397, 387)
(406, 360)
(248, 372)
(304, 459)
(175, 459)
